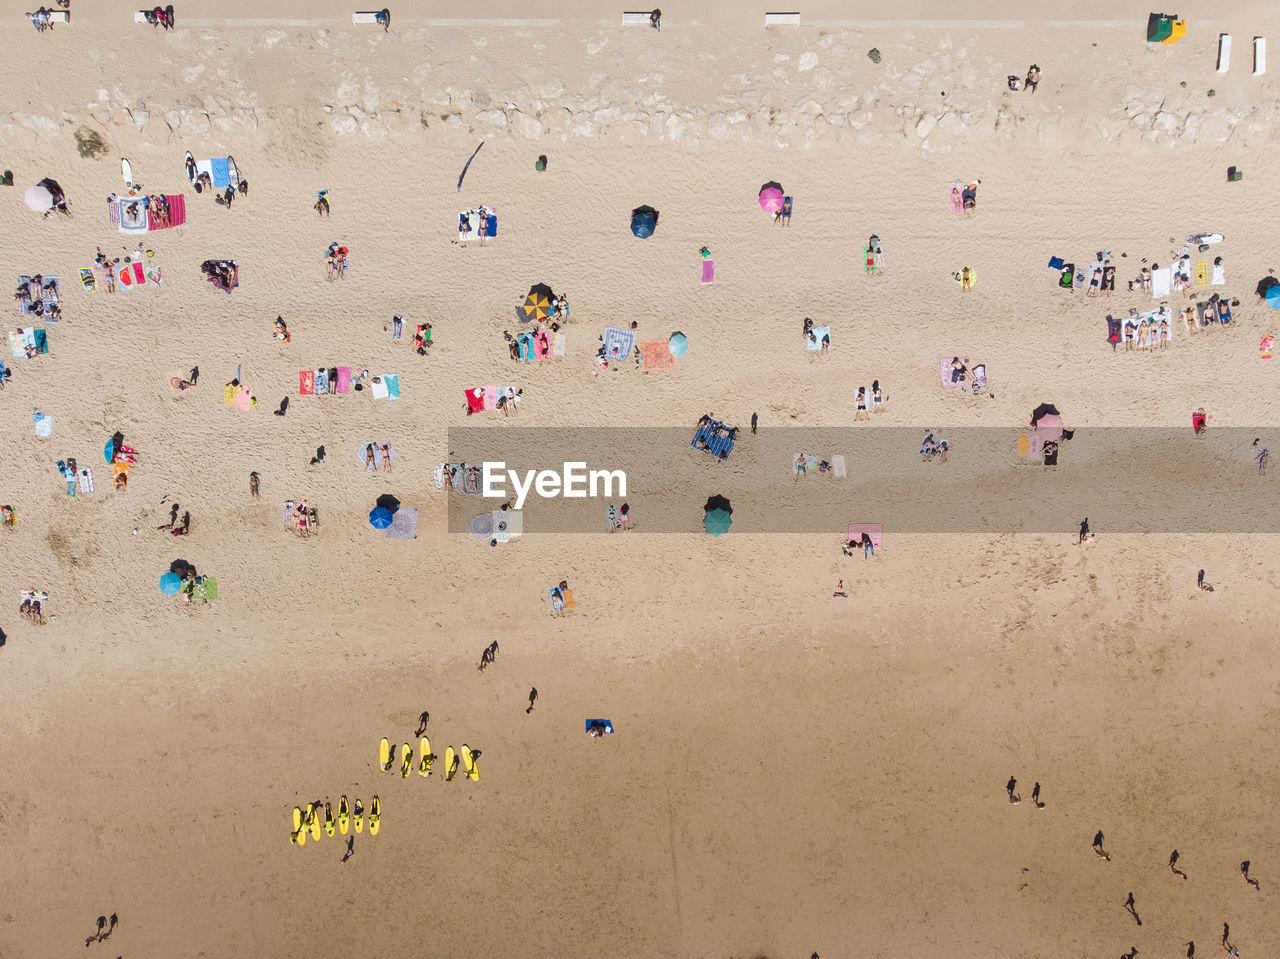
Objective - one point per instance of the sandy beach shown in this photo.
(791, 772)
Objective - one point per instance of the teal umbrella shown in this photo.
(717, 522)
(170, 583)
(678, 344)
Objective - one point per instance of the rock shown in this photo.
(926, 125)
(140, 118)
(464, 100)
(676, 127)
(718, 127)
(454, 122)
(497, 119)
(344, 125)
(194, 124)
(482, 99)
(272, 37)
(525, 125)
(808, 60)
(836, 119)
(951, 124)
(370, 99)
(607, 115)
(598, 44)
(41, 126)
(582, 126)
(656, 123)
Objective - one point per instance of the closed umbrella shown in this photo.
(39, 198)
(771, 198)
(678, 344)
(644, 220)
(170, 583)
(380, 518)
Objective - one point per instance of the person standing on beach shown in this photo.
(1010, 786)
(1191, 949)
(655, 20)
(533, 698)
(1226, 934)
(755, 418)
(1035, 796)
(1173, 865)
(1097, 845)
(1244, 871)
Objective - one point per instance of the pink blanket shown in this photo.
(944, 370)
(708, 271)
(344, 379)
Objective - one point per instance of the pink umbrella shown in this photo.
(1049, 427)
(771, 197)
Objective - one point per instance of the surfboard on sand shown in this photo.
(450, 765)
(406, 759)
(313, 819)
(375, 816)
(359, 817)
(1197, 239)
(192, 175)
(297, 826)
(424, 767)
(384, 753)
(126, 171)
(344, 815)
(469, 764)
(328, 820)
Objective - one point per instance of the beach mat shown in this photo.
(87, 279)
(219, 172)
(482, 525)
(657, 356)
(404, 524)
(379, 387)
(944, 371)
(708, 271)
(344, 379)
(47, 299)
(608, 726)
(618, 344)
(307, 382)
(393, 386)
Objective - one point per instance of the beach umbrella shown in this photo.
(1273, 297)
(39, 198)
(1049, 427)
(717, 502)
(537, 304)
(771, 197)
(380, 517)
(717, 522)
(170, 583)
(678, 344)
(644, 220)
(388, 502)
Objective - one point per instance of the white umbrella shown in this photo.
(39, 198)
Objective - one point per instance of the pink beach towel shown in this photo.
(307, 382)
(490, 397)
(708, 271)
(874, 530)
(344, 379)
(944, 371)
(177, 213)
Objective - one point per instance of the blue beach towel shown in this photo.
(608, 726)
(619, 344)
(818, 333)
(1056, 262)
(393, 386)
(218, 172)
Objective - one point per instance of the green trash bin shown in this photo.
(1159, 26)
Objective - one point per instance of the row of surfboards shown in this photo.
(386, 759)
(312, 821)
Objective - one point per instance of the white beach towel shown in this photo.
(379, 387)
(1161, 281)
(44, 424)
(838, 468)
(1219, 275)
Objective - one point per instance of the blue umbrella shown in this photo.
(1273, 297)
(170, 583)
(643, 221)
(678, 344)
(380, 518)
(109, 451)
(717, 522)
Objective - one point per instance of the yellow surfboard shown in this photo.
(469, 764)
(406, 759)
(328, 820)
(344, 815)
(313, 820)
(450, 765)
(424, 767)
(384, 753)
(359, 817)
(375, 816)
(297, 826)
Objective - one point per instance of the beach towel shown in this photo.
(27, 338)
(87, 279)
(1206, 313)
(558, 344)
(524, 347)
(379, 387)
(1224, 313)
(944, 370)
(1024, 444)
(1161, 282)
(1056, 262)
(48, 297)
(307, 382)
(1219, 275)
(475, 399)
(716, 436)
(874, 530)
(708, 271)
(177, 213)
(344, 379)
(657, 355)
(814, 342)
(392, 380)
(219, 172)
(321, 382)
(1202, 272)
(404, 524)
(86, 480)
(501, 527)
(810, 463)
(618, 344)
(44, 424)
(131, 275)
(244, 397)
(604, 723)
(472, 217)
(838, 469)
(128, 213)
(482, 526)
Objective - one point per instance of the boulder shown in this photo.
(344, 125)
(926, 124)
(808, 60)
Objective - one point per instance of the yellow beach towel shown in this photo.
(1202, 272)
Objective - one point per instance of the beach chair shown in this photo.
(1224, 52)
(59, 16)
(631, 18)
(791, 19)
(1259, 56)
(371, 16)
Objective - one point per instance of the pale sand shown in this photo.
(791, 772)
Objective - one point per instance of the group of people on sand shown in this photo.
(782, 215)
(932, 448)
(1029, 83)
(864, 543)
(964, 196)
(860, 401)
(370, 456)
(336, 262)
(464, 225)
(811, 336)
(35, 292)
(1151, 333)
(32, 606)
(42, 19)
(717, 430)
(304, 518)
(618, 517)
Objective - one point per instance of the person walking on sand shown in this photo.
(533, 698)
(351, 848)
(1226, 934)
(1133, 910)
(1035, 796)
(422, 723)
(1244, 871)
(1173, 865)
(755, 419)
(1010, 786)
(1191, 949)
(1097, 846)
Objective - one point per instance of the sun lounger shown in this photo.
(708, 271)
(1259, 56)
(874, 530)
(1224, 52)
(782, 19)
(634, 17)
(1161, 282)
(814, 342)
(367, 16)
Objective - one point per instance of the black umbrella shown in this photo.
(182, 568)
(718, 502)
(1265, 284)
(1042, 410)
(388, 502)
